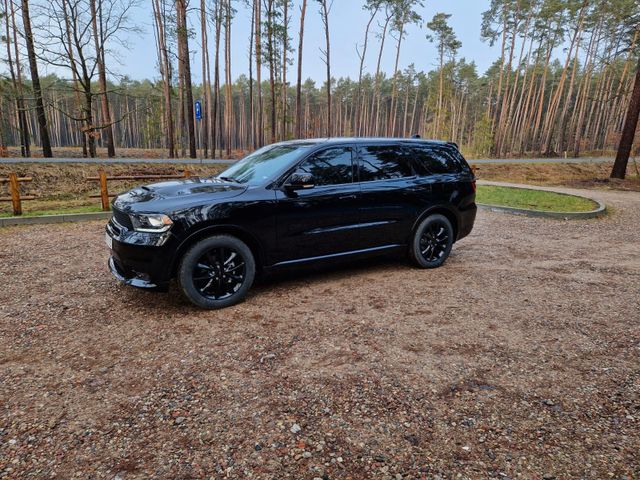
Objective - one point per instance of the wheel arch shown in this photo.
(448, 212)
(250, 240)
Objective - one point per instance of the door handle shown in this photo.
(351, 196)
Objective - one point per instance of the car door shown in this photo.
(322, 220)
(390, 194)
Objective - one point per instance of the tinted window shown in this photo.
(384, 161)
(434, 160)
(329, 167)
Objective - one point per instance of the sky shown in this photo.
(347, 25)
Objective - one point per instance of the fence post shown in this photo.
(14, 188)
(104, 193)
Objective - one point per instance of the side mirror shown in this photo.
(300, 181)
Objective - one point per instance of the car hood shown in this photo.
(166, 197)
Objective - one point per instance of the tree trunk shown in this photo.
(285, 46)
(228, 101)
(359, 103)
(205, 85)
(96, 14)
(252, 116)
(327, 58)
(394, 89)
(216, 80)
(16, 81)
(629, 131)
(258, 33)
(165, 71)
(303, 12)
(35, 81)
(184, 60)
(272, 59)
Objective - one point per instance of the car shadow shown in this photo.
(324, 271)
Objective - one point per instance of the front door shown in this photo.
(323, 220)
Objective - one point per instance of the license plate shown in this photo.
(109, 241)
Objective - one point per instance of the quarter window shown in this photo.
(434, 160)
(381, 162)
(333, 166)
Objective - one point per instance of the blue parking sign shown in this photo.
(198, 110)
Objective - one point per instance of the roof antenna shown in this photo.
(416, 136)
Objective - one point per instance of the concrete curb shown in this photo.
(597, 212)
(68, 217)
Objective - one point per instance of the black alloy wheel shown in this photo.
(432, 242)
(217, 272)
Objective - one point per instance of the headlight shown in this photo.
(151, 223)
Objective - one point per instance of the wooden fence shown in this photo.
(14, 192)
(103, 178)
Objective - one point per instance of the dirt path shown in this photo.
(519, 358)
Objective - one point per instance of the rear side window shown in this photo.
(333, 166)
(382, 162)
(434, 160)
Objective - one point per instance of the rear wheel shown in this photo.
(432, 242)
(217, 272)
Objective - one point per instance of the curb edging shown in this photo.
(599, 211)
(44, 219)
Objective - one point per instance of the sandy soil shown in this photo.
(518, 359)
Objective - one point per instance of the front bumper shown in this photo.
(138, 259)
(140, 280)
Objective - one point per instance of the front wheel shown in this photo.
(432, 242)
(217, 272)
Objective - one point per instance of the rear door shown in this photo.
(389, 194)
(323, 220)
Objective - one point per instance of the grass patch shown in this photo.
(61, 211)
(533, 199)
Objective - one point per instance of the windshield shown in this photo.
(263, 164)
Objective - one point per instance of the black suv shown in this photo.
(292, 203)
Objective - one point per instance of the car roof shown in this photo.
(338, 140)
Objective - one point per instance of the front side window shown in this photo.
(382, 162)
(333, 166)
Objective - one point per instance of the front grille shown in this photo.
(122, 218)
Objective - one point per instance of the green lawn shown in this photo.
(62, 211)
(532, 199)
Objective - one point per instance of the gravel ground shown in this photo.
(518, 358)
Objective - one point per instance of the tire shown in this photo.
(216, 272)
(432, 242)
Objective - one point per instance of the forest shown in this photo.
(561, 86)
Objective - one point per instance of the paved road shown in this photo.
(227, 162)
(544, 160)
